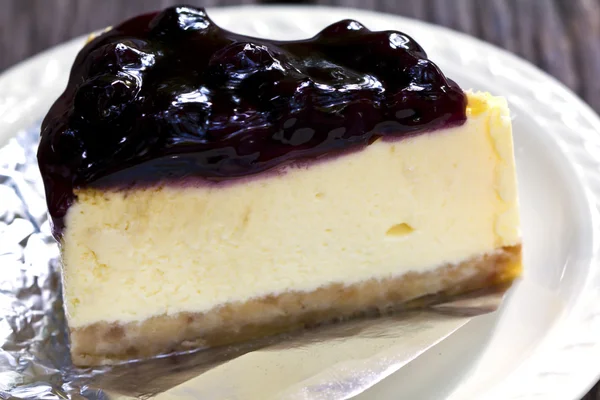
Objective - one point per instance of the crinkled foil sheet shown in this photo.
(337, 361)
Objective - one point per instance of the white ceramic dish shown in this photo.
(545, 342)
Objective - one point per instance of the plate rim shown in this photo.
(580, 147)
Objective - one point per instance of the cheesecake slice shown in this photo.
(208, 187)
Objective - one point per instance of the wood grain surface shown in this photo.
(560, 36)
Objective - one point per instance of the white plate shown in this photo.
(545, 342)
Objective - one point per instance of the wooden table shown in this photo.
(560, 36)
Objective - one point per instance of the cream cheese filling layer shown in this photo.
(395, 207)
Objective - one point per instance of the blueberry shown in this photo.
(185, 119)
(130, 54)
(184, 124)
(176, 20)
(104, 98)
(426, 75)
(241, 59)
(398, 40)
(342, 30)
(381, 54)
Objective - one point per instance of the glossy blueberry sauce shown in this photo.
(170, 95)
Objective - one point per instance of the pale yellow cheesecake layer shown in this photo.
(395, 207)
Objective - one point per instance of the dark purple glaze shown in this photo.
(170, 95)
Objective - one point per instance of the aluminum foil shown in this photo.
(332, 362)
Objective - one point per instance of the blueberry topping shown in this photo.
(171, 95)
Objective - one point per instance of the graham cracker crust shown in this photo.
(108, 343)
